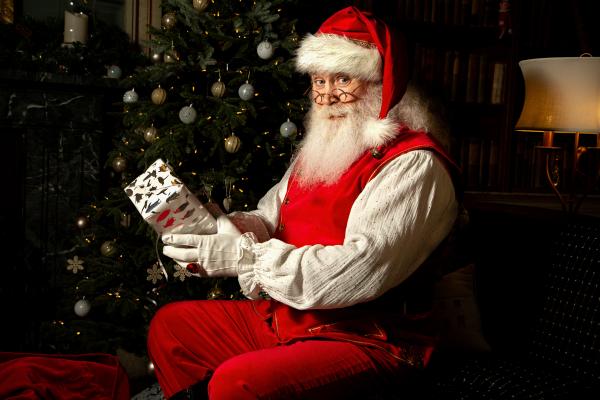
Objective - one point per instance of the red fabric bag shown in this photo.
(26, 376)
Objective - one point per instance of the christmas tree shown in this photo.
(219, 102)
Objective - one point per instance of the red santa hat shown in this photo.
(357, 43)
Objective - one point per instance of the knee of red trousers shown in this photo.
(230, 381)
(163, 346)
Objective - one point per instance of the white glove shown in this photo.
(217, 255)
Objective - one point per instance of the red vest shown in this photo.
(319, 215)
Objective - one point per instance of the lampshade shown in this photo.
(561, 95)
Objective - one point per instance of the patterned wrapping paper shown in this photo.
(167, 204)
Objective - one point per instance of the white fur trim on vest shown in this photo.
(377, 132)
(333, 53)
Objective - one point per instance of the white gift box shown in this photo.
(167, 204)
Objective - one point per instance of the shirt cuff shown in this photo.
(246, 276)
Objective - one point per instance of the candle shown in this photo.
(76, 27)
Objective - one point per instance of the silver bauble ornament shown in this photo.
(169, 20)
(200, 5)
(246, 91)
(82, 222)
(265, 50)
(218, 89)
(119, 164)
(232, 143)
(171, 56)
(82, 307)
(158, 96)
(150, 134)
(130, 96)
(114, 71)
(156, 57)
(288, 128)
(108, 248)
(187, 114)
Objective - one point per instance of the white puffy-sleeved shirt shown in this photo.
(396, 222)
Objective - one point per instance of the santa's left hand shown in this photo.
(217, 255)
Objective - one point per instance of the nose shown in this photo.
(329, 96)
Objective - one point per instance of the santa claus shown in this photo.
(334, 262)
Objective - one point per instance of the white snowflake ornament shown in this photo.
(75, 264)
(181, 273)
(154, 273)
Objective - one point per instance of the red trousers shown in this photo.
(235, 347)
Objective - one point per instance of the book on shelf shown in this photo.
(448, 17)
(465, 12)
(472, 78)
(401, 10)
(417, 10)
(493, 164)
(449, 12)
(490, 13)
(473, 162)
(447, 73)
(428, 66)
(479, 162)
(427, 4)
(476, 13)
(408, 9)
(437, 11)
(456, 12)
(482, 79)
(456, 83)
(498, 77)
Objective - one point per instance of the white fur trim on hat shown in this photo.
(334, 53)
(377, 132)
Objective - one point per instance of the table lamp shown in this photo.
(562, 96)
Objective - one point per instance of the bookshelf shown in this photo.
(459, 54)
(466, 53)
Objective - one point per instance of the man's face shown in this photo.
(335, 91)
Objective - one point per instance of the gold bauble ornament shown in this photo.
(82, 222)
(227, 202)
(108, 248)
(169, 20)
(150, 134)
(171, 56)
(159, 95)
(200, 5)
(119, 164)
(218, 89)
(232, 143)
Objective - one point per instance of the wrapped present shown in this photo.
(167, 204)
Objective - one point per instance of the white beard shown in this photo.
(332, 144)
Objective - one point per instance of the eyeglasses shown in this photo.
(340, 94)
